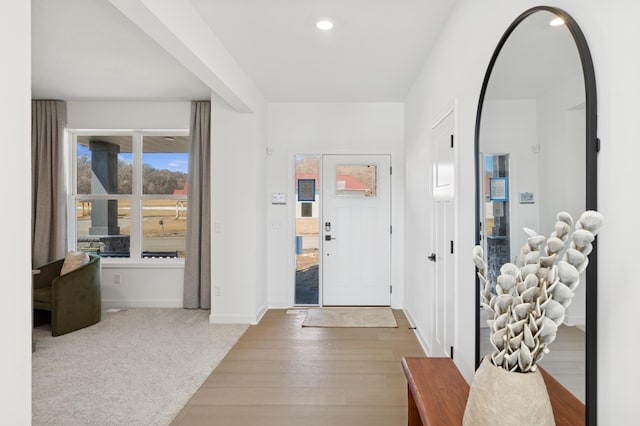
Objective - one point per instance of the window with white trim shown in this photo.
(128, 193)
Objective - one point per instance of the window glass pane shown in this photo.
(165, 161)
(102, 227)
(104, 164)
(307, 209)
(356, 180)
(105, 189)
(164, 225)
(307, 242)
(496, 215)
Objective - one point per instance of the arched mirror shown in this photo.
(536, 149)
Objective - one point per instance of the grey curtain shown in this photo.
(48, 222)
(197, 268)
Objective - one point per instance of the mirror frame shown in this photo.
(592, 147)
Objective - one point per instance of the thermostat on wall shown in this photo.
(527, 198)
(278, 198)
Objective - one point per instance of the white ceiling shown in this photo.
(88, 50)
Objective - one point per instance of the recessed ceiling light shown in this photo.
(556, 22)
(324, 24)
(169, 138)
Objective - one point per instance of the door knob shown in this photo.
(432, 257)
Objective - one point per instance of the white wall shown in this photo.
(149, 286)
(562, 157)
(455, 69)
(128, 115)
(15, 254)
(327, 128)
(239, 214)
(142, 284)
(562, 167)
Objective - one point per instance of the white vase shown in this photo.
(499, 397)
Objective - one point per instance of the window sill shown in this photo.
(114, 263)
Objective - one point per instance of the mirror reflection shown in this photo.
(532, 165)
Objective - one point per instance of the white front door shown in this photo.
(356, 229)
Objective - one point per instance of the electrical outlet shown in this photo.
(116, 278)
(217, 291)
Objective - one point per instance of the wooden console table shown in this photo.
(438, 394)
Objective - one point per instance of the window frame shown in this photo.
(136, 198)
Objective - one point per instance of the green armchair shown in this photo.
(73, 299)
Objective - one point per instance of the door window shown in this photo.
(356, 180)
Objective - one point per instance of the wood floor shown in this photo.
(282, 374)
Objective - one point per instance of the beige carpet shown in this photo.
(136, 367)
(350, 317)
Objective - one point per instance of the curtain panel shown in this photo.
(197, 268)
(48, 219)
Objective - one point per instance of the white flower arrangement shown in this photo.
(533, 293)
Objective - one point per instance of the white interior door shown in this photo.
(443, 333)
(443, 230)
(356, 227)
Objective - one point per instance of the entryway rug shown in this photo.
(350, 317)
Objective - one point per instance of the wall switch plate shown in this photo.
(116, 278)
(217, 291)
(278, 198)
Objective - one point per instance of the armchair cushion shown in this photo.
(74, 260)
(42, 296)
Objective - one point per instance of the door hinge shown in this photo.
(391, 229)
(451, 247)
(451, 352)
(390, 170)
(597, 144)
(390, 289)
(451, 141)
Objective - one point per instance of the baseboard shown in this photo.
(261, 312)
(419, 336)
(279, 305)
(141, 303)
